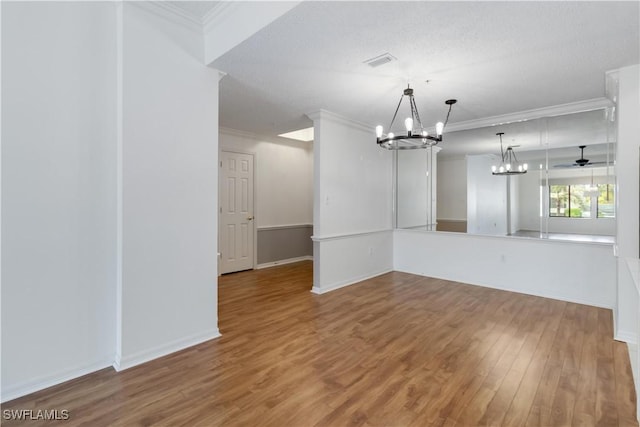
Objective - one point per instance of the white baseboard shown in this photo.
(284, 261)
(319, 291)
(141, 357)
(37, 384)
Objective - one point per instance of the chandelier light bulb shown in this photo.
(519, 168)
(425, 133)
(391, 135)
(508, 166)
(525, 166)
(439, 128)
(494, 169)
(501, 169)
(379, 130)
(408, 123)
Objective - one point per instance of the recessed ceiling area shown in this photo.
(304, 135)
(494, 57)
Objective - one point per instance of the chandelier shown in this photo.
(509, 164)
(416, 136)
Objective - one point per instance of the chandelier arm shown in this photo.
(414, 110)
(396, 113)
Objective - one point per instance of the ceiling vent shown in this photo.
(385, 58)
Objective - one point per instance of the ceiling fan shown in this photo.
(581, 162)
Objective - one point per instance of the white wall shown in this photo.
(170, 155)
(628, 298)
(352, 212)
(578, 272)
(352, 178)
(452, 188)
(58, 192)
(628, 211)
(628, 163)
(486, 197)
(284, 177)
(343, 260)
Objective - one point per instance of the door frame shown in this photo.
(255, 205)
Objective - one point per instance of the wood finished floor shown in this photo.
(396, 350)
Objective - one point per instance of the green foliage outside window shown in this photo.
(559, 200)
(606, 201)
(574, 201)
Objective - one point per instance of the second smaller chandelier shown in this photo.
(509, 164)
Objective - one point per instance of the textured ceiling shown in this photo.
(494, 57)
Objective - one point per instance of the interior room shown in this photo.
(320, 213)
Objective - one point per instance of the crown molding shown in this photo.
(337, 118)
(536, 113)
(520, 116)
(170, 7)
(172, 14)
(217, 14)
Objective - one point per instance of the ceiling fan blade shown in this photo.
(576, 165)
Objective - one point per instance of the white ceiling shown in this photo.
(494, 57)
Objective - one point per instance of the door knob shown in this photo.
(249, 218)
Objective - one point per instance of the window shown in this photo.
(559, 200)
(579, 201)
(606, 201)
(576, 201)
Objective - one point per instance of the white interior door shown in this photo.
(236, 212)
